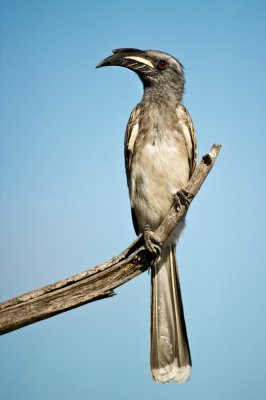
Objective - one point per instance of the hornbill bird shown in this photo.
(160, 157)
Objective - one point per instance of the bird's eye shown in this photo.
(162, 64)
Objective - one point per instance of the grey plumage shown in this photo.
(160, 155)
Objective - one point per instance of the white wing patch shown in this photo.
(134, 133)
(185, 127)
(182, 126)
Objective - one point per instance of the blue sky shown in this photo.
(64, 203)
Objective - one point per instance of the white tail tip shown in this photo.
(172, 373)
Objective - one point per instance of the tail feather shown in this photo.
(170, 355)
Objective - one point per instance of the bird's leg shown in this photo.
(151, 243)
(183, 198)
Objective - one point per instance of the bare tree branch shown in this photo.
(98, 282)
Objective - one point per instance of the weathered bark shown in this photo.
(98, 282)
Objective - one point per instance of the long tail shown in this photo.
(170, 355)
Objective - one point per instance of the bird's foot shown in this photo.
(183, 198)
(151, 243)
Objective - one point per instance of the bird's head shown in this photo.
(155, 68)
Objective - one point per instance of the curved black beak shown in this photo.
(134, 59)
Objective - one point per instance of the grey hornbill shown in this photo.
(160, 156)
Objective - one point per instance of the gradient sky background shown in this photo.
(64, 201)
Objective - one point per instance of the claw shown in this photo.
(183, 198)
(151, 243)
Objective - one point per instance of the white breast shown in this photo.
(159, 168)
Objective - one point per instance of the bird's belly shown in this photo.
(158, 170)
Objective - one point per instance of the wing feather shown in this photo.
(130, 138)
(185, 125)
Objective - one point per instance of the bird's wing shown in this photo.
(130, 138)
(185, 125)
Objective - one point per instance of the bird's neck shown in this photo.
(163, 96)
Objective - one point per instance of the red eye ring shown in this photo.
(162, 64)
